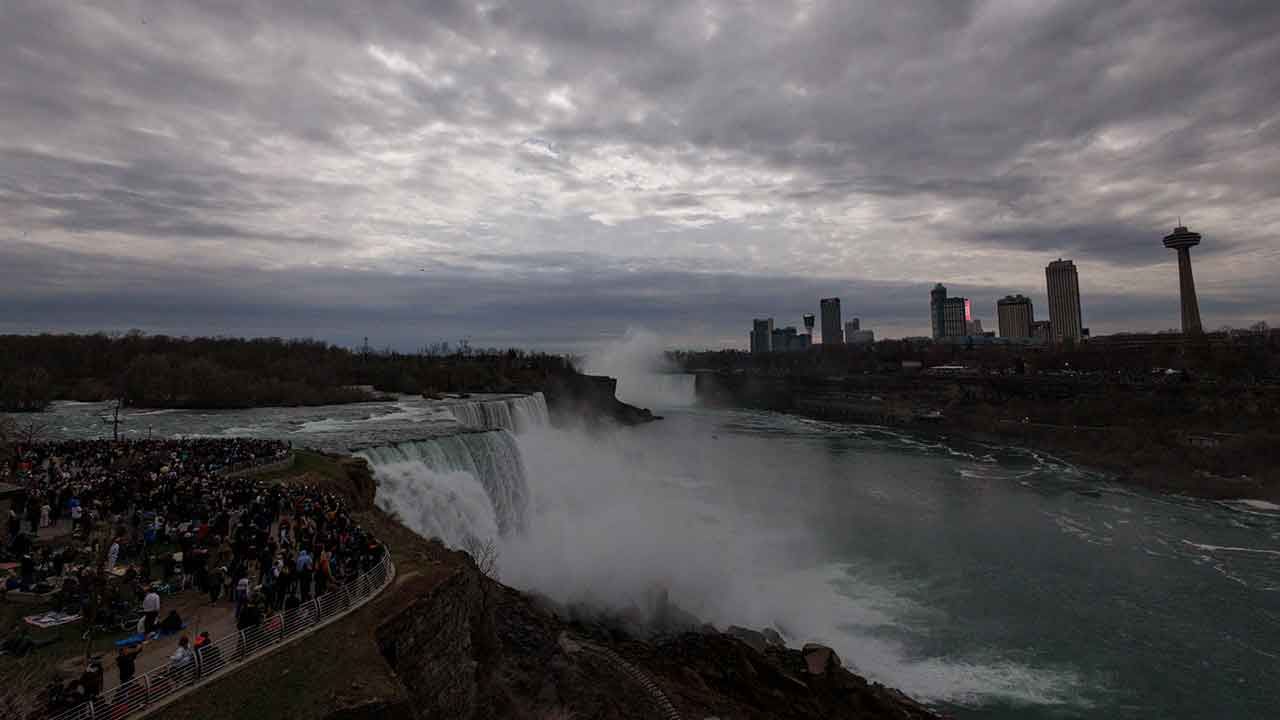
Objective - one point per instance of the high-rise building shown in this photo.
(1182, 240)
(1042, 330)
(761, 335)
(850, 328)
(788, 340)
(975, 327)
(937, 316)
(832, 333)
(1064, 300)
(956, 317)
(1014, 315)
(860, 337)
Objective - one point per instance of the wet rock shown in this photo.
(753, 638)
(819, 659)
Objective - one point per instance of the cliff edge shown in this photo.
(447, 641)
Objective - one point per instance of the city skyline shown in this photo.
(411, 175)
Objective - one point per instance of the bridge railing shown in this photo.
(226, 654)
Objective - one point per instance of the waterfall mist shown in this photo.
(645, 377)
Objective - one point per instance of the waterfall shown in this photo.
(459, 488)
(517, 414)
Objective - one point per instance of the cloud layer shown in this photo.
(549, 173)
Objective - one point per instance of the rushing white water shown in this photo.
(455, 487)
(517, 414)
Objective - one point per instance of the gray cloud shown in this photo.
(564, 170)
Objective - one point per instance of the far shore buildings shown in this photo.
(1064, 300)
(832, 332)
(956, 317)
(765, 338)
(787, 339)
(1014, 315)
(937, 311)
(855, 335)
(761, 336)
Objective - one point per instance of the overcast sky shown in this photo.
(550, 173)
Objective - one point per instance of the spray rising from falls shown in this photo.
(459, 488)
(517, 414)
(645, 376)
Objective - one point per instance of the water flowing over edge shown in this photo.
(517, 414)
(432, 485)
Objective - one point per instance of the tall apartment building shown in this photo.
(787, 339)
(956, 317)
(937, 313)
(851, 327)
(761, 335)
(1064, 300)
(832, 332)
(1014, 315)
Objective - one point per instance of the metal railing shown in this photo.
(223, 656)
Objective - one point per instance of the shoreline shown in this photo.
(1166, 479)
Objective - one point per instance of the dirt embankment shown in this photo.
(446, 641)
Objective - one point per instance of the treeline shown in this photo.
(1241, 357)
(162, 371)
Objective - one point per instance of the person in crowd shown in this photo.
(242, 594)
(150, 609)
(172, 623)
(181, 659)
(127, 661)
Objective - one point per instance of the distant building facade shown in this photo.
(860, 337)
(974, 328)
(832, 332)
(1042, 330)
(787, 339)
(761, 336)
(1064, 300)
(956, 316)
(1014, 315)
(937, 311)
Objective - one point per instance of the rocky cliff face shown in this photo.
(572, 397)
(473, 648)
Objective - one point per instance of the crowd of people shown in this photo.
(165, 518)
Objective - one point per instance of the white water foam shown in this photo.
(1223, 548)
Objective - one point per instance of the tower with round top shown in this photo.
(1182, 240)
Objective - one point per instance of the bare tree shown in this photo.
(485, 553)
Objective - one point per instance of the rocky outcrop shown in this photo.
(572, 397)
(473, 648)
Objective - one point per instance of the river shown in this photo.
(991, 582)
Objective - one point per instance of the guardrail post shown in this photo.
(315, 604)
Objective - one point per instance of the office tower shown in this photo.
(937, 316)
(1014, 315)
(762, 335)
(832, 333)
(956, 317)
(1182, 240)
(1064, 299)
(852, 327)
(1042, 330)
